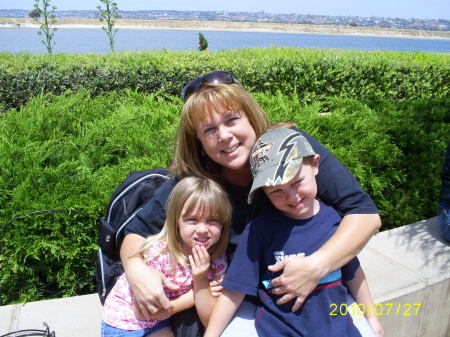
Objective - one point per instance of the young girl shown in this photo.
(189, 251)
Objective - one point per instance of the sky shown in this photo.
(421, 9)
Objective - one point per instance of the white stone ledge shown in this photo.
(406, 265)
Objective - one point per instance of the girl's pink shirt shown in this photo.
(118, 308)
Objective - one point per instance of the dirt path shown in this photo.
(234, 26)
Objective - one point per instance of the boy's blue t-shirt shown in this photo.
(271, 237)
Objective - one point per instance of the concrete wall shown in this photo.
(406, 266)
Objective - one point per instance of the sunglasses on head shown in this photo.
(221, 77)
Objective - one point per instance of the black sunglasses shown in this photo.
(221, 77)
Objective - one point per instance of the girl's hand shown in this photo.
(300, 276)
(216, 285)
(199, 261)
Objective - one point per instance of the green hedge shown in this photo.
(69, 152)
(311, 74)
(83, 122)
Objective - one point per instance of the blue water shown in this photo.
(95, 41)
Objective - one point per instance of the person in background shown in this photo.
(189, 251)
(444, 197)
(219, 124)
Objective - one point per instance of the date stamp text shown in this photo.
(380, 309)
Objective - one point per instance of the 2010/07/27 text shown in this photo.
(397, 309)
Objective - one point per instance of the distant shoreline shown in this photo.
(234, 26)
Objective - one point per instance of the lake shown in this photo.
(95, 41)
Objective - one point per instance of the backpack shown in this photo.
(126, 201)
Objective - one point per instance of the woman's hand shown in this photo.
(199, 261)
(179, 304)
(216, 285)
(300, 276)
(147, 285)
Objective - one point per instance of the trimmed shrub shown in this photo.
(67, 154)
(395, 150)
(313, 75)
(80, 123)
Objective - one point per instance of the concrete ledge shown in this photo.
(405, 266)
(408, 266)
(72, 316)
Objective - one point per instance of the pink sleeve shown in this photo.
(154, 254)
(220, 265)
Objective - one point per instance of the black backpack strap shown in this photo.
(132, 181)
(127, 201)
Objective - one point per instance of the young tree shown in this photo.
(202, 42)
(34, 14)
(46, 18)
(109, 15)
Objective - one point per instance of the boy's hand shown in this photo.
(199, 261)
(300, 276)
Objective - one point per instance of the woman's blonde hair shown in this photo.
(188, 158)
(204, 196)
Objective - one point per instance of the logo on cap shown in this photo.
(260, 155)
(287, 147)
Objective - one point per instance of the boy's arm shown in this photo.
(224, 309)
(178, 304)
(359, 288)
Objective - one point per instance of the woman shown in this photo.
(219, 125)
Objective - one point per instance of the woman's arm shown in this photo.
(301, 274)
(178, 304)
(352, 234)
(337, 187)
(147, 283)
(183, 302)
(359, 289)
(226, 306)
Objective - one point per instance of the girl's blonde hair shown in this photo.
(188, 158)
(205, 196)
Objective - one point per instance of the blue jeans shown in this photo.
(444, 221)
(110, 331)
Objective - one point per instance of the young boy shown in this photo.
(284, 166)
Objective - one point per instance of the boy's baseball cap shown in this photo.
(276, 158)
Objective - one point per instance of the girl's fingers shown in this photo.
(200, 259)
(200, 254)
(196, 255)
(204, 253)
(192, 262)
